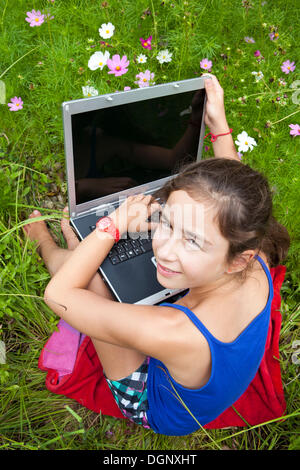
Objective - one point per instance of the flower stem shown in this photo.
(17, 61)
(295, 112)
(154, 23)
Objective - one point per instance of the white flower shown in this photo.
(98, 60)
(164, 56)
(258, 75)
(142, 59)
(244, 142)
(89, 91)
(107, 30)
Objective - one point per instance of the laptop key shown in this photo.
(146, 244)
(115, 259)
(130, 253)
(123, 256)
(92, 227)
(113, 252)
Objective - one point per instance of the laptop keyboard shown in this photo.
(128, 248)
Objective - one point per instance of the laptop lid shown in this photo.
(130, 142)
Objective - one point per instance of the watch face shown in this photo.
(104, 223)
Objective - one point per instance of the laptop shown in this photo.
(126, 143)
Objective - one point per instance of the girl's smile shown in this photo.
(165, 271)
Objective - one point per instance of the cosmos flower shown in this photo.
(117, 65)
(295, 129)
(257, 53)
(16, 104)
(107, 30)
(249, 40)
(288, 66)
(144, 78)
(164, 56)
(245, 142)
(141, 59)
(89, 91)
(273, 36)
(35, 18)
(258, 76)
(281, 82)
(146, 43)
(98, 60)
(206, 64)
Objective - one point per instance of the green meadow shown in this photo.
(47, 63)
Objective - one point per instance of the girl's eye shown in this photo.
(192, 242)
(165, 223)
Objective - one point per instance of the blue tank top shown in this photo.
(234, 366)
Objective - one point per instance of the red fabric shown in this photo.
(262, 401)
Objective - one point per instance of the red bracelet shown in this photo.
(214, 137)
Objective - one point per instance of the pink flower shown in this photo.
(146, 43)
(16, 104)
(295, 129)
(249, 40)
(257, 53)
(35, 18)
(117, 65)
(206, 64)
(144, 78)
(288, 66)
(273, 36)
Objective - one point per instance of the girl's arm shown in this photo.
(215, 119)
(137, 327)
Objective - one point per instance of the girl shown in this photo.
(174, 367)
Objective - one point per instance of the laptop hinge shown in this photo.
(95, 209)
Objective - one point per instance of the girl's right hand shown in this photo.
(215, 117)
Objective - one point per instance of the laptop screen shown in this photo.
(124, 146)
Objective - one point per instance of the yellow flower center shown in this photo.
(289, 68)
(144, 79)
(100, 63)
(246, 143)
(17, 104)
(36, 19)
(107, 31)
(145, 44)
(205, 65)
(276, 35)
(89, 94)
(118, 68)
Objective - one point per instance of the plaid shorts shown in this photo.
(130, 394)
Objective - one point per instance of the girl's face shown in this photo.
(188, 243)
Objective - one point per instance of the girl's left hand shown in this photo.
(131, 216)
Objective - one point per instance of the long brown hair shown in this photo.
(244, 205)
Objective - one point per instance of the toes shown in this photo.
(66, 213)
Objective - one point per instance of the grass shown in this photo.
(47, 65)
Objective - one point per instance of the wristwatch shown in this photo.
(106, 224)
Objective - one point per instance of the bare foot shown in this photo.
(38, 231)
